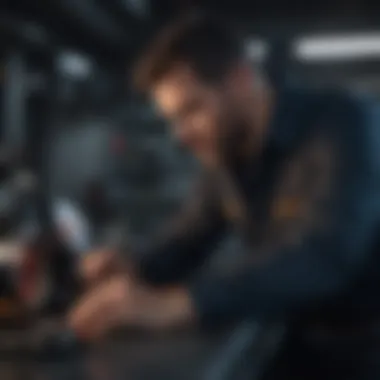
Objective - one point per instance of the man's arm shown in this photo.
(186, 242)
(321, 263)
(330, 255)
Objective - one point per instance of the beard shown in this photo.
(235, 135)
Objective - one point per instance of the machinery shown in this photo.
(15, 249)
(36, 264)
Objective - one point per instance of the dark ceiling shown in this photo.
(113, 29)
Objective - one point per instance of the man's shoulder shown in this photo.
(352, 106)
(332, 102)
(343, 122)
(349, 122)
(347, 113)
(353, 117)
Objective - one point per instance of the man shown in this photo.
(296, 173)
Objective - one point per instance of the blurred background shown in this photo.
(70, 117)
(76, 140)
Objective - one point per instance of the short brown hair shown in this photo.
(206, 45)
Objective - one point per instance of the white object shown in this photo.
(72, 225)
(327, 48)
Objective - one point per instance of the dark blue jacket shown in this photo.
(308, 210)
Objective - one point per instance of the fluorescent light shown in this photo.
(256, 50)
(338, 47)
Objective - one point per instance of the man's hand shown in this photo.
(120, 301)
(98, 265)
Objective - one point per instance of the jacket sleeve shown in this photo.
(186, 241)
(332, 249)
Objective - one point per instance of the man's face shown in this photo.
(202, 116)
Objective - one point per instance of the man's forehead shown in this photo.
(176, 87)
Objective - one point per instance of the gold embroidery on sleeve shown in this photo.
(301, 203)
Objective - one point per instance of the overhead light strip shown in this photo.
(345, 47)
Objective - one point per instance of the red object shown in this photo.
(29, 274)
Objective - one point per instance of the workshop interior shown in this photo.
(86, 161)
